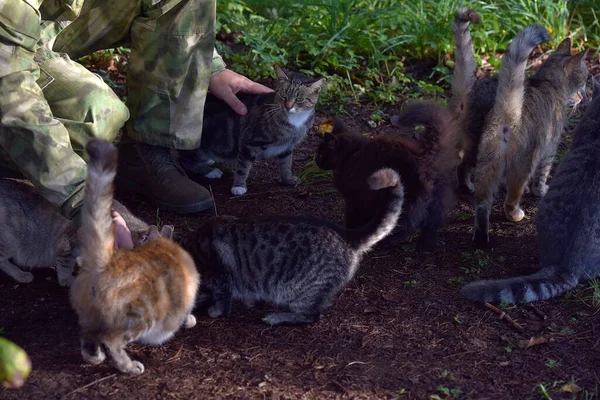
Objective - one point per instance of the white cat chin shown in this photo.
(298, 117)
(238, 190)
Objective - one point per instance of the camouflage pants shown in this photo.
(51, 105)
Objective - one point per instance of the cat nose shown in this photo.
(289, 105)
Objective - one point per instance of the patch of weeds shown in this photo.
(458, 321)
(456, 281)
(477, 260)
(447, 374)
(588, 294)
(311, 172)
(552, 363)
(543, 391)
(376, 116)
(449, 393)
(508, 349)
(410, 283)
(463, 216)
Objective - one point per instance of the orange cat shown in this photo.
(143, 294)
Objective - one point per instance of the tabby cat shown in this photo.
(567, 222)
(425, 164)
(295, 262)
(125, 295)
(533, 117)
(276, 122)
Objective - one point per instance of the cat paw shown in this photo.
(190, 321)
(135, 368)
(514, 214)
(291, 181)
(540, 190)
(215, 311)
(238, 190)
(215, 173)
(23, 277)
(65, 280)
(93, 359)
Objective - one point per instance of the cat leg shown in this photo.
(115, 344)
(538, 183)
(486, 183)
(285, 169)
(195, 161)
(306, 308)
(222, 303)
(64, 268)
(464, 170)
(15, 272)
(91, 350)
(516, 181)
(291, 318)
(245, 162)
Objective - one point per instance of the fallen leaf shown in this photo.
(324, 127)
(534, 341)
(571, 388)
(505, 363)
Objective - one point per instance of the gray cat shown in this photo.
(275, 124)
(34, 234)
(568, 224)
(295, 262)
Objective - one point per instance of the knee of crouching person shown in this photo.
(106, 116)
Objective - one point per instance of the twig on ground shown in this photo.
(537, 312)
(505, 316)
(88, 385)
(214, 201)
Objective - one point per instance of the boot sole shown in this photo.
(126, 185)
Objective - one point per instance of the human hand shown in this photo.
(123, 238)
(226, 84)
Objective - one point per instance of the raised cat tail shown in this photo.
(511, 81)
(543, 285)
(385, 220)
(463, 77)
(97, 235)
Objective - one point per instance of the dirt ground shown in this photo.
(400, 330)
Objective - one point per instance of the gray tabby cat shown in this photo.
(34, 234)
(295, 262)
(276, 122)
(568, 224)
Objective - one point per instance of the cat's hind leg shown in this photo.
(516, 181)
(539, 187)
(244, 165)
(196, 162)
(115, 344)
(190, 321)
(91, 350)
(12, 270)
(221, 306)
(291, 318)
(486, 183)
(306, 308)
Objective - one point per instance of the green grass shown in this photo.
(363, 46)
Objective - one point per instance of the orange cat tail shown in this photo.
(97, 234)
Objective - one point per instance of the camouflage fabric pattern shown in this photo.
(52, 105)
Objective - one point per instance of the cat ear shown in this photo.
(281, 74)
(564, 47)
(577, 60)
(167, 231)
(317, 85)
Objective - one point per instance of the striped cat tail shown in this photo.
(543, 285)
(511, 81)
(463, 77)
(97, 235)
(383, 223)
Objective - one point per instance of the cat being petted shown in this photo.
(523, 129)
(123, 295)
(567, 223)
(299, 263)
(276, 122)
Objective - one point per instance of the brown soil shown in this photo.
(399, 330)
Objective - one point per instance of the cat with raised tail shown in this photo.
(299, 263)
(123, 295)
(425, 165)
(567, 223)
(276, 122)
(522, 131)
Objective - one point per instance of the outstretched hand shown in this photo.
(123, 238)
(226, 84)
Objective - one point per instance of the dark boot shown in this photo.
(152, 172)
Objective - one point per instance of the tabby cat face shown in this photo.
(296, 93)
